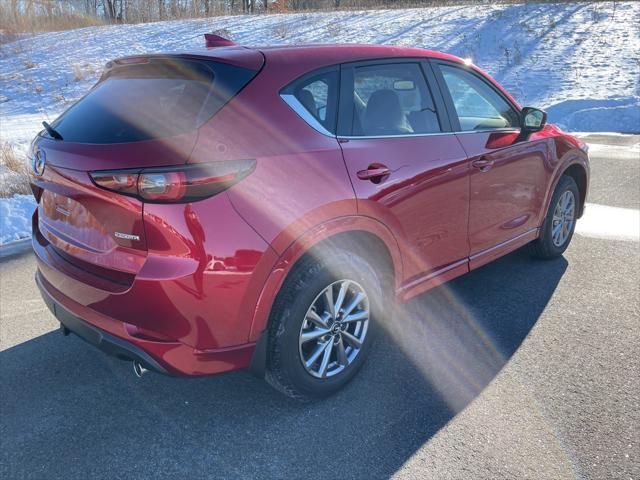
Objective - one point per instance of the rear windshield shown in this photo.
(156, 99)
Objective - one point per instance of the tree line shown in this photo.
(15, 12)
(40, 15)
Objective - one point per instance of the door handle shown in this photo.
(483, 164)
(374, 173)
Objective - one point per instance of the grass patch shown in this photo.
(78, 72)
(15, 172)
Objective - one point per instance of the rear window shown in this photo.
(156, 99)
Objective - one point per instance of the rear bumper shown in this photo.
(111, 336)
(188, 311)
(109, 344)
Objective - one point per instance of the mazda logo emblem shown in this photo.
(39, 162)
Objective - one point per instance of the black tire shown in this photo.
(315, 272)
(544, 247)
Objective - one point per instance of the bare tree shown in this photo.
(40, 15)
(109, 7)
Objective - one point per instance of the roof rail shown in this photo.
(212, 40)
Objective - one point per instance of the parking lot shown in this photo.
(521, 369)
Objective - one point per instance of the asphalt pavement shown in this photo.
(521, 369)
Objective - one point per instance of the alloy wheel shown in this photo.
(563, 218)
(334, 329)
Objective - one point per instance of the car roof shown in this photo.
(296, 59)
(307, 57)
(318, 54)
(310, 55)
(346, 52)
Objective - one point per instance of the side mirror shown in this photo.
(532, 120)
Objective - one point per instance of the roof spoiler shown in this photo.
(212, 40)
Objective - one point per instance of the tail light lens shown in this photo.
(122, 182)
(186, 183)
(162, 186)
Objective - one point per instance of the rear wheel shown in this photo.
(560, 222)
(322, 324)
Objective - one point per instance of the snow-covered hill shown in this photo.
(580, 61)
(566, 57)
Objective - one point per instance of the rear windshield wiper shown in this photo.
(52, 131)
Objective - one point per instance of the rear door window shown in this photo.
(392, 99)
(155, 98)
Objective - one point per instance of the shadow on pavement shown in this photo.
(69, 411)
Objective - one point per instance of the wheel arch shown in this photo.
(579, 174)
(577, 167)
(365, 236)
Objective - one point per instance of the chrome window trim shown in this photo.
(304, 114)
(313, 122)
(403, 135)
(491, 130)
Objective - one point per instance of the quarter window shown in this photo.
(314, 98)
(392, 99)
(478, 106)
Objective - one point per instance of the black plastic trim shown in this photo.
(258, 365)
(109, 344)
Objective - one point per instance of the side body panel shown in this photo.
(509, 174)
(300, 180)
(507, 197)
(424, 201)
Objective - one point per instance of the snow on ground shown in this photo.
(579, 61)
(15, 213)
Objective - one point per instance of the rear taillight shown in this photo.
(170, 186)
(117, 181)
(186, 183)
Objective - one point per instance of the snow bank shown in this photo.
(15, 217)
(544, 54)
(577, 60)
(611, 115)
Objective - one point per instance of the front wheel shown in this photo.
(560, 221)
(322, 324)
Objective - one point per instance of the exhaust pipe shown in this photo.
(138, 369)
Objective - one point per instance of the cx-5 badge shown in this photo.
(127, 236)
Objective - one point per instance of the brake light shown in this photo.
(186, 183)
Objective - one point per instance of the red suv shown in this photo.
(261, 207)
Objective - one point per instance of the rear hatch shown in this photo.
(144, 112)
